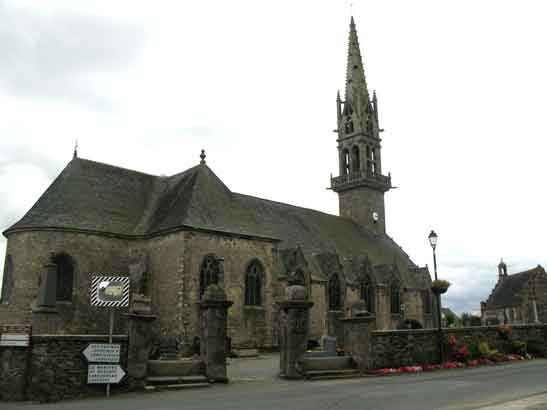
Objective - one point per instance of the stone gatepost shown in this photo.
(214, 325)
(294, 330)
(357, 336)
(140, 334)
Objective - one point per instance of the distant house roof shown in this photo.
(95, 197)
(507, 290)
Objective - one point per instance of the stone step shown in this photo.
(163, 387)
(181, 367)
(331, 374)
(245, 352)
(326, 363)
(170, 380)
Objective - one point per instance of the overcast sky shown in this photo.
(145, 85)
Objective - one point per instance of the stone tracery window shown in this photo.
(367, 293)
(334, 292)
(253, 284)
(65, 276)
(395, 298)
(209, 273)
(7, 281)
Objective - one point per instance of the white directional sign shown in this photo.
(104, 373)
(8, 339)
(102, 353)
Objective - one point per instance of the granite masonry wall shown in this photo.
(53, 368)
(409, 347)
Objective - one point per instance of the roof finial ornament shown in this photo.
(75, 153)
(202, 156)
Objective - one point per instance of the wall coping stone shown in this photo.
(452, 329)
(85, 338)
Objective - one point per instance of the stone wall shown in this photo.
(91, 254)
(397, 348)
(53, 368)
(247, 326)
(13, 366)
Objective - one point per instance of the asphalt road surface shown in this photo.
(255, 387)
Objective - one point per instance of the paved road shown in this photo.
(254, 387)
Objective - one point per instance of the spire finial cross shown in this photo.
(202, 156)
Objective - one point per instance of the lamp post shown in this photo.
(433, 242)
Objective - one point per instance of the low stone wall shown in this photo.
(395, 348)
(58, 369)
(13, 366)
(52, 368)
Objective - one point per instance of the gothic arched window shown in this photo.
(426, 300)
(345, 162)
(253, 284)
(395, 297)
(335, 297)
(7, 281)
(209, 273)
(355, 159)
(367, 293)
(65, 276)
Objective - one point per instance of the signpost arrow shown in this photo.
(102, 353)
(104, 373)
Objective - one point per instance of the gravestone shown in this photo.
(329, 344)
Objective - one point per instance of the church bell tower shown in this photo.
(360, 184)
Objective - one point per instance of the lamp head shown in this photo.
(432, 239)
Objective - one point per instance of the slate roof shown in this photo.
(97, 197)
(507, 291)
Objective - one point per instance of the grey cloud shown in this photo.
(19, 155)
(44, 55)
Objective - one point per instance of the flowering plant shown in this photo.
(451, 339)
(440, 286)
(462, 354)
(505, 331)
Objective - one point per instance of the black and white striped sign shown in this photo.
(110, 291)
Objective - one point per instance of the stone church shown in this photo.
(519, 298)
(175, 235)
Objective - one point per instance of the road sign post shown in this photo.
(110, 292)
(104, 374)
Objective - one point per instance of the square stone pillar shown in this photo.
(214, 326)
(295, 325)
(140, 343)
(357, 339)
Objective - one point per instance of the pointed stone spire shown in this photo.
(356, 85)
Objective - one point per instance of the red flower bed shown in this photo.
(446, 365)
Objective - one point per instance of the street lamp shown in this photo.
(433, 242)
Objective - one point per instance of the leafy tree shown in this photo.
(468, 319)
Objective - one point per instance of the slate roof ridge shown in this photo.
(104, 164)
